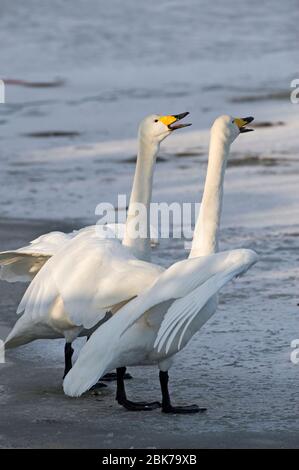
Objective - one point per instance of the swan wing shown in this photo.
(90, 274)
(100, 353)
(20, 267)
(181, 313)
(23, 264)
(95, 275)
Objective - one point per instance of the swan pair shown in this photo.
(153, 327)
(76, 278)
(155, 312)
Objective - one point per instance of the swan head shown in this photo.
(229, 127)
(156, 127)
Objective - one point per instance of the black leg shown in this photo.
(112, 376)
(97, 386)
(68, 353)
(166, 403)
(121, 396)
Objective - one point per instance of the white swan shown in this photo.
(89, 275)
(160, 321)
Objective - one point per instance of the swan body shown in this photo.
(161, 320)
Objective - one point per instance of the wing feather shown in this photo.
(90, 274)
(189, 306)
(182, 280)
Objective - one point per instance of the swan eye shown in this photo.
(156, 120)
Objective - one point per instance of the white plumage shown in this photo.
(133, 335)
(23, 264)
(160, 321)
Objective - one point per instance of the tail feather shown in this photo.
(97, 355)
(86, 372)
(18, 336)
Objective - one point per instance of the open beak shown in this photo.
(171, 119)
(242, 123)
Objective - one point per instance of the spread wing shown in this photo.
(189, 284)
(91, 275)
(23, 264)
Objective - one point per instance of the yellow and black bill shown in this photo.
(242, 123)
(171, 120)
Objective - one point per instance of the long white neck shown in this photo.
(141, 194)
(205, 238)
